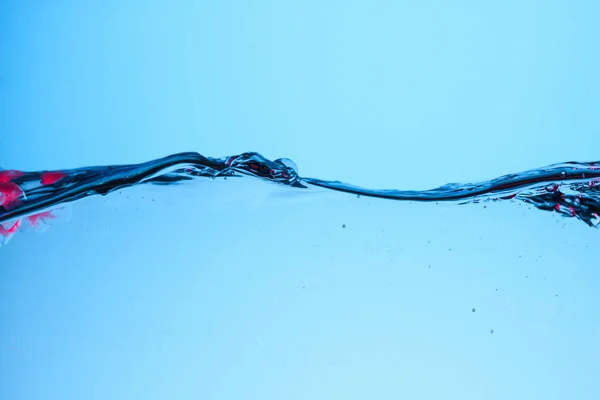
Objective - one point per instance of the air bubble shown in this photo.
(288, 163)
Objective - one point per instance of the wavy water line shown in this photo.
(572, 188)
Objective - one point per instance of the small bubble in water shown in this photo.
(491, 331)
(358, 196)
(288, 163)
(472, 310)
(343, 226)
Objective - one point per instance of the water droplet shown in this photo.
(491, 331)
(288, 163)
(343, 226)
(472, 310)
(358, 196)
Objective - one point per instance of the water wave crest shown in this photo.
(571, 189)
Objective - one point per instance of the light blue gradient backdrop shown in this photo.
(244, 291)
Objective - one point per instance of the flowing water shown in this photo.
(570, 189)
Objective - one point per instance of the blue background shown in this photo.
(242, 290)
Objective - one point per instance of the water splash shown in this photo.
(571, 189)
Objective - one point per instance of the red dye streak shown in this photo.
(7, 176)
(11, 230)
(572, 210)
(34, 220)
(9, 192)
(48, 178)
(557, 208)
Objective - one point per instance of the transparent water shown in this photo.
(253, 287)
